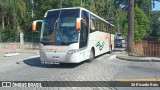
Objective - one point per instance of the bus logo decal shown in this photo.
(107, 37)
(100, 45)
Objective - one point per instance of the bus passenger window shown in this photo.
(92, 26)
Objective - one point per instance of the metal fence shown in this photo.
(147, 48)
(151, 48)
(9, 37)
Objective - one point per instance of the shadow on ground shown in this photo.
(35, 62)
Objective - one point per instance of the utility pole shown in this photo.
(130, 37)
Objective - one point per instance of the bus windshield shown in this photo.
(59, 27)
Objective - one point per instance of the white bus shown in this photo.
(73, 35)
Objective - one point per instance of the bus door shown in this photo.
(84, 32)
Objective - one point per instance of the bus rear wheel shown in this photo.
(91, 56)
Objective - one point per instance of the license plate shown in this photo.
(55, 57)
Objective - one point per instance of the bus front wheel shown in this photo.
(91, 56)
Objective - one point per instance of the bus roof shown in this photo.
(84, 10)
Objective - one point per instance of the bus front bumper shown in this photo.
(51, 57)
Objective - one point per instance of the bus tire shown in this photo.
(91, 56)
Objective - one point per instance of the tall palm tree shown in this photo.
(130, 38)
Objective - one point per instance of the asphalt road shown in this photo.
(27, 67)
(139, 71)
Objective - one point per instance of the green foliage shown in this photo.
(142, 24)
(49, 4)
(8, 35)
(19, 14)
(125, 28)
(155, 23)
(54, 4)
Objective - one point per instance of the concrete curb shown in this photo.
(11, 54)
(137, 59)
(7, 52)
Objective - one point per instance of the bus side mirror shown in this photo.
(78, 23)
(34, 24)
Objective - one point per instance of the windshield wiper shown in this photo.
(56, 25)
(68, 42)
(44, 42)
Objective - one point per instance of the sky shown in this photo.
(157, 6)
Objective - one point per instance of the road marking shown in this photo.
(118, 52)
(139, 79)
(11, 54)
(113, 56)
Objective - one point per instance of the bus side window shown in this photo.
(92, 26)
(107, 27)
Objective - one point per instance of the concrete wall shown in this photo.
(19, 46)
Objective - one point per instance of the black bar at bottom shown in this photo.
(79, 84)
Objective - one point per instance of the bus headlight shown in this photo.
(72, 51)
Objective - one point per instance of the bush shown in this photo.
(9, 35)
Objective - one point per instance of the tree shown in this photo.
(4, 8)
(20, 13)
(145, 5)
(155, 23)
(130, 38)
(142, 24)
(17, 8)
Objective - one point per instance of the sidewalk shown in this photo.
(30, 51)
(124, 56)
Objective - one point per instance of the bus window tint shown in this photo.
(111, 29)
(107, 28)
(97, 24)
(84, 29)
(92, 23)
(59, 27)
